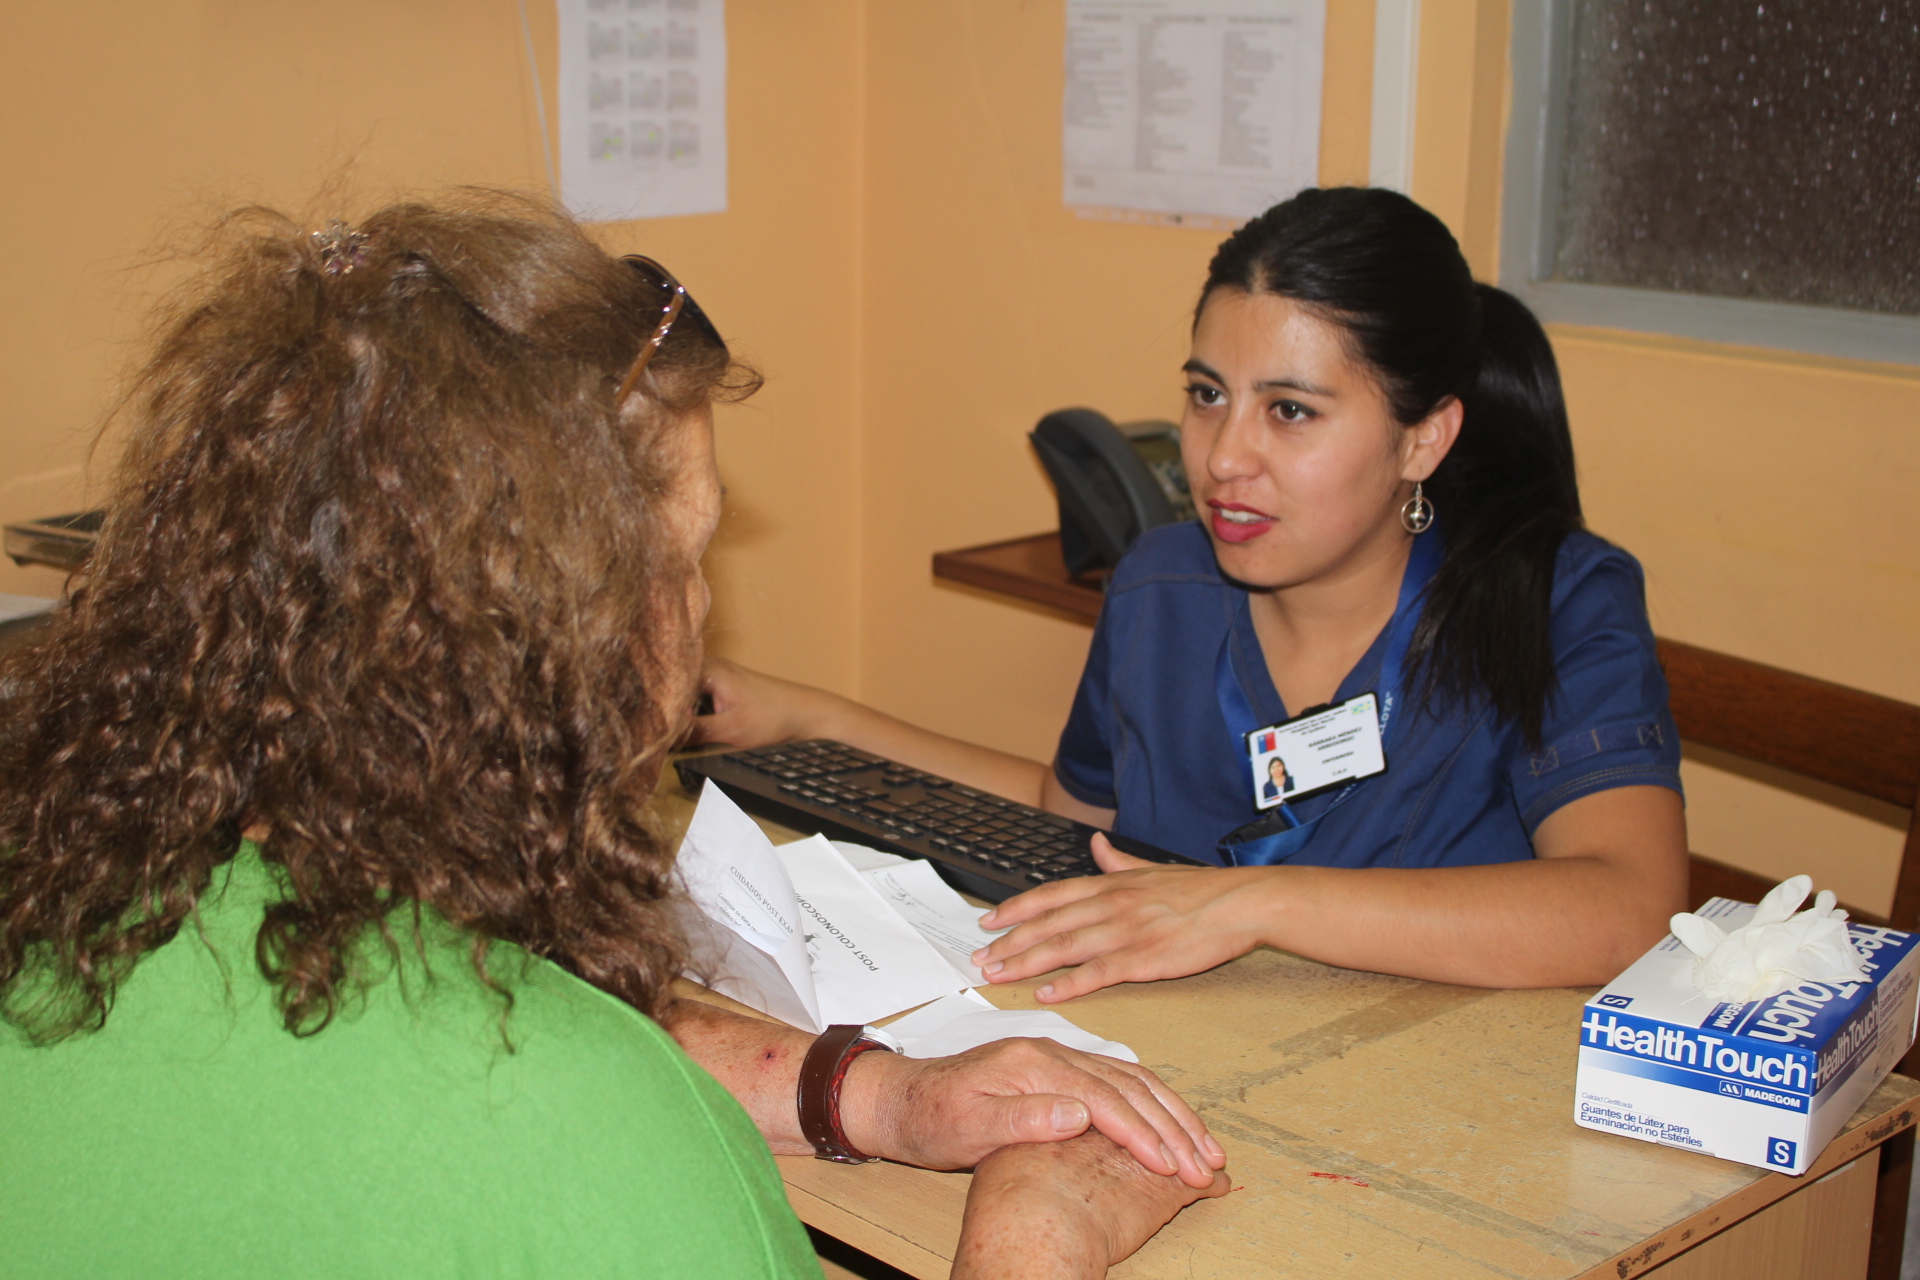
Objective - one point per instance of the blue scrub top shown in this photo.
(1148, 739)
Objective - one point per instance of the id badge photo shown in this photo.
(1308, 754)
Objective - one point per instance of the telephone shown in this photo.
(1113, 483)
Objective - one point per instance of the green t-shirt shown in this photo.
(194, 1137)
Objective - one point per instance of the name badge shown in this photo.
(1306, 755)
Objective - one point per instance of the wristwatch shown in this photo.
(818, 1094)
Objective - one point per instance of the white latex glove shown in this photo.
(1774, 949)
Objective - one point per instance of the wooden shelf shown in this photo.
(1027, 569)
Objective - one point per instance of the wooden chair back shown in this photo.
(1857, 741)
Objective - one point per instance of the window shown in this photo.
(1736, 170)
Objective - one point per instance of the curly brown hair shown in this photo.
(384, 574)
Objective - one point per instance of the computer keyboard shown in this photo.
(982, 844)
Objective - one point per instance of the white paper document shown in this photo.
(643, 107)
(818, 933)
(913, 888)
(862, 858)
(746, 935)
(796, 932)
(1192, 107)
(957, 1023)
(867, 961)
(941, 916)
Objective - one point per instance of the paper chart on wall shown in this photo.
(643, 107)
(1202, 110)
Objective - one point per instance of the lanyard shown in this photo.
(1280, 835)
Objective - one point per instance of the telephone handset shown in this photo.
(1112, 485)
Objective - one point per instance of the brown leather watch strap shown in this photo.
(818, 1093)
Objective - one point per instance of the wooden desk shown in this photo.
(1387, 1127)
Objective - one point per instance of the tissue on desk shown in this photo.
(1775, 949)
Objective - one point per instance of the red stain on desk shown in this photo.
(1340, 1177)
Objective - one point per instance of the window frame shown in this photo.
(1541, 57)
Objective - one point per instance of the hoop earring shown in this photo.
(1416, 513)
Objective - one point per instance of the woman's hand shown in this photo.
(951, 1113)
(1139, 922)
(753, 709)
(1064, 1211)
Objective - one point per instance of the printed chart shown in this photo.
(1180, 108)
(643, 107)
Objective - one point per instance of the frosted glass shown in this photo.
(1768, 151)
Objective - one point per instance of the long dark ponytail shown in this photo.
(1391, 275)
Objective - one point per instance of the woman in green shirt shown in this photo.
(335, 935)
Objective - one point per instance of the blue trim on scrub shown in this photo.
(1282, 834)
(1147, 737)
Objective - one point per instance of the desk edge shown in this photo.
(1683, 1235)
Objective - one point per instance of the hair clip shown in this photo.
(341, 248)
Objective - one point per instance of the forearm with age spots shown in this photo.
(759, 1064)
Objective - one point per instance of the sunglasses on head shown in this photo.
(679, 302)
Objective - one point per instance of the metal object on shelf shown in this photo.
(64, 542)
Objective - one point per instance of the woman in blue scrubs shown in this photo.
(1380, 449)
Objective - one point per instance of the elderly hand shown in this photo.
(950, 1113)
(1139, 922)
(1065, 1211)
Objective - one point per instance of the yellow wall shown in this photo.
(897, 259)
(1765, 493)
(123, 120)
(988, 304)
(1768, 498)
(129, 119)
